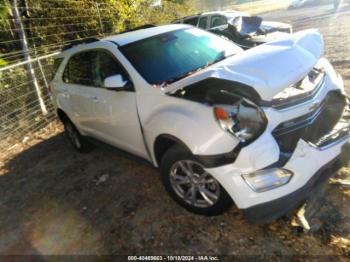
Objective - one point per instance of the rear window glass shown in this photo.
(80, 69)
(191, 21)
(203, 22)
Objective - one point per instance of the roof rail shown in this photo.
(189, 16)
(80, 42)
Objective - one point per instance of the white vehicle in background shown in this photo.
(257, 127)
(210, 20)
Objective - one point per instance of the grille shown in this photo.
(312, 127)
(301, 91)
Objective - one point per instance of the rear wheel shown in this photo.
(190, 185)
(75, 138)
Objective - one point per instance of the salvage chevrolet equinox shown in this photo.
(255, 128)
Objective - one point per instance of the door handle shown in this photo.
(94, 98)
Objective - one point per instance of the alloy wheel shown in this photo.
(193, 184)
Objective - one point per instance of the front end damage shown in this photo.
(303, 139)
(308, 124)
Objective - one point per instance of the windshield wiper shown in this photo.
(172, 80)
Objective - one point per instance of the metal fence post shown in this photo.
(29, 66)
(99, 17)
(43, 74)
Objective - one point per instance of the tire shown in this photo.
(172, 168)
(75, 138)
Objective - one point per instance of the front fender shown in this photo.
(190, 122)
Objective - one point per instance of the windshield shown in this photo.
(168, 57)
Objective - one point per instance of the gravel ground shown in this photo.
(54, 200)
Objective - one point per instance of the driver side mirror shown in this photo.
(115, 82)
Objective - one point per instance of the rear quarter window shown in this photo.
(56, 64)
(191, 21)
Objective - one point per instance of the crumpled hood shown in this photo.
(271, 67)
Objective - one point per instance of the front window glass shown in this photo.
(168, 57)
(106, 67)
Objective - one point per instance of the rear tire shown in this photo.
(75, 138)
(190, 185)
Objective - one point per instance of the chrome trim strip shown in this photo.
(302, 123)
(307, 98)
(334, 143)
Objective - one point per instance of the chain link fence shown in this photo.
(24, 109)
(32, 31)
(31, 34)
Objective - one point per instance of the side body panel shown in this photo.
(107, 115)
(192, 123)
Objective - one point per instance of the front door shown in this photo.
(115, 112)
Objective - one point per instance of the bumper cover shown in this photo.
(311, 164)
(285, 206)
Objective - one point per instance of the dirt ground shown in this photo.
(54, 200)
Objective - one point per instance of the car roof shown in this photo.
(123, 38)
(133, 36)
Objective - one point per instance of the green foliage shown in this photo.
(168, 11)
(50, 25)
(2, 62)
(4, 9)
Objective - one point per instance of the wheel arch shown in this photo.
(62, 115)
(162, 143)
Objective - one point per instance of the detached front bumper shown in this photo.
(286, 205)
(311, 164)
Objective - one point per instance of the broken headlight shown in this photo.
(244, 119)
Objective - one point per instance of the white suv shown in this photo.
(256, 127)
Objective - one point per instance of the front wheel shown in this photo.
(190, 185)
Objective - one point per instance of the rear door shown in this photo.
(78, 85)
